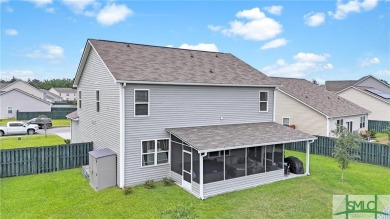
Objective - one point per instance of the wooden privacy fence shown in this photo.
(34, 160)
(378, 126)
(373, 153)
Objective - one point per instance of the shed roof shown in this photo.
(221, 137)
(102, 153)
(129, 62)
(318, 98)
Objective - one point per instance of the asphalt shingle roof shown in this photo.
(73, 115)
(339, 85)
(219, 137)
(144, 63)
(315, 96)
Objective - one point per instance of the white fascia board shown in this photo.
(195, 84)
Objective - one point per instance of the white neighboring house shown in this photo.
(367, 92)
(23, 86)
(49, 96)
(313, 110)
(16, 99)
(67, 94)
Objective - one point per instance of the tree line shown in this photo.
(45, 84)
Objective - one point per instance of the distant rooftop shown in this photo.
(64, 89)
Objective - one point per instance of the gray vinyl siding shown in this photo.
(215, 188)
(100, 127)
(195, 189)
(371, 82)
(184, 106)
(22, 102)
(176, 177)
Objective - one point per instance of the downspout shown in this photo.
(327, 126)
(274, 116)
(308, 157)
(201, 174)
(122, 136)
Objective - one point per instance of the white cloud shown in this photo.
(215, 28)
(21, 74)
(170, 45)
(352, 6)
(112, 14)
(3, 1)
(274, 44)
(274, 9)
(50, 10)
(11, 32)
(50, 52)
(305, 63)
(310, 57)
(9, 9)
(382, 73)
(78, 6)
(254, 25)
(314, 19)
(368, 62)
(201, 46)
(40, 3)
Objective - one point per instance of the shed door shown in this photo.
(187, 169)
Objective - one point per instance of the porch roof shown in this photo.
(223, 137)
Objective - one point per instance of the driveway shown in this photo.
(63, 132)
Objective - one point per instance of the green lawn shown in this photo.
(29, 141)
(67, 194)
(382, 138)
(56, 122)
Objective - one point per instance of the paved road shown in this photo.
(63, 132)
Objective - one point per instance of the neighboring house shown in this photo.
(313, 110)
(203, 118)
(16, 99)
(67, 94)
(367, 92)
(51, 97)
(23, 86)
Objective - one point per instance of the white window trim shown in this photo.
(155, 152)
(286, 118)
(364, 122)
(347, 122)
(79, 99)
(97, 101)
(8, 110)
(147, 102)
(264, 101)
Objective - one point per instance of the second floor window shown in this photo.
(79, 99)
(97, 101)
(141, 103)
(263, 101)
(362, 122)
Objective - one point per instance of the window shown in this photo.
(9, 110)
(79, 99)
(141, 102)
(176, 156)
(263, 99)
(349, 126)
(339, 123)
(97, 101)
(286, 121)
(155, 152)
(362, 122)
(16, 124)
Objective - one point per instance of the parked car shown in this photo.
(14, 128)
(41, 122)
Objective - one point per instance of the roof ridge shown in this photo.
(165, 47)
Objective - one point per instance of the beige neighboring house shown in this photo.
(367, 92)
(67, 94)
(313, 110)
(16, 99)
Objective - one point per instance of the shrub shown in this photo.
(149, 184)
(127, 190)
(371, 133)
(168, 181)
(67, 141)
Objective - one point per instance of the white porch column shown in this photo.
(307, 158)
(201, 174)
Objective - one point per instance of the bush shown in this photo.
(127, 190)
(149, 184)
(168, 181)
(67, 141)
(371, 133)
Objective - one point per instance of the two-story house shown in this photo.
(206, 119)
(66, 93)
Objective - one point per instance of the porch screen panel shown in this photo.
(195, 165)
(176, 157)
(255, 160)
(278, 156)
(213, 169)
(235, 164)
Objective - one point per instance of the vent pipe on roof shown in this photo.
(192, 56)
(128, 45)
(211, 71)
(216, 55)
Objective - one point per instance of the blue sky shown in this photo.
(323, 40)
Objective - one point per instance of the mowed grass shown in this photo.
(66, 194)
(29, 141)
(56, 122)
(382, 138)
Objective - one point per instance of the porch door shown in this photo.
(187, 169)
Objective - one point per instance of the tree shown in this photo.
(384, 81)
(43, 118)
(314, 81)
(346, 144)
